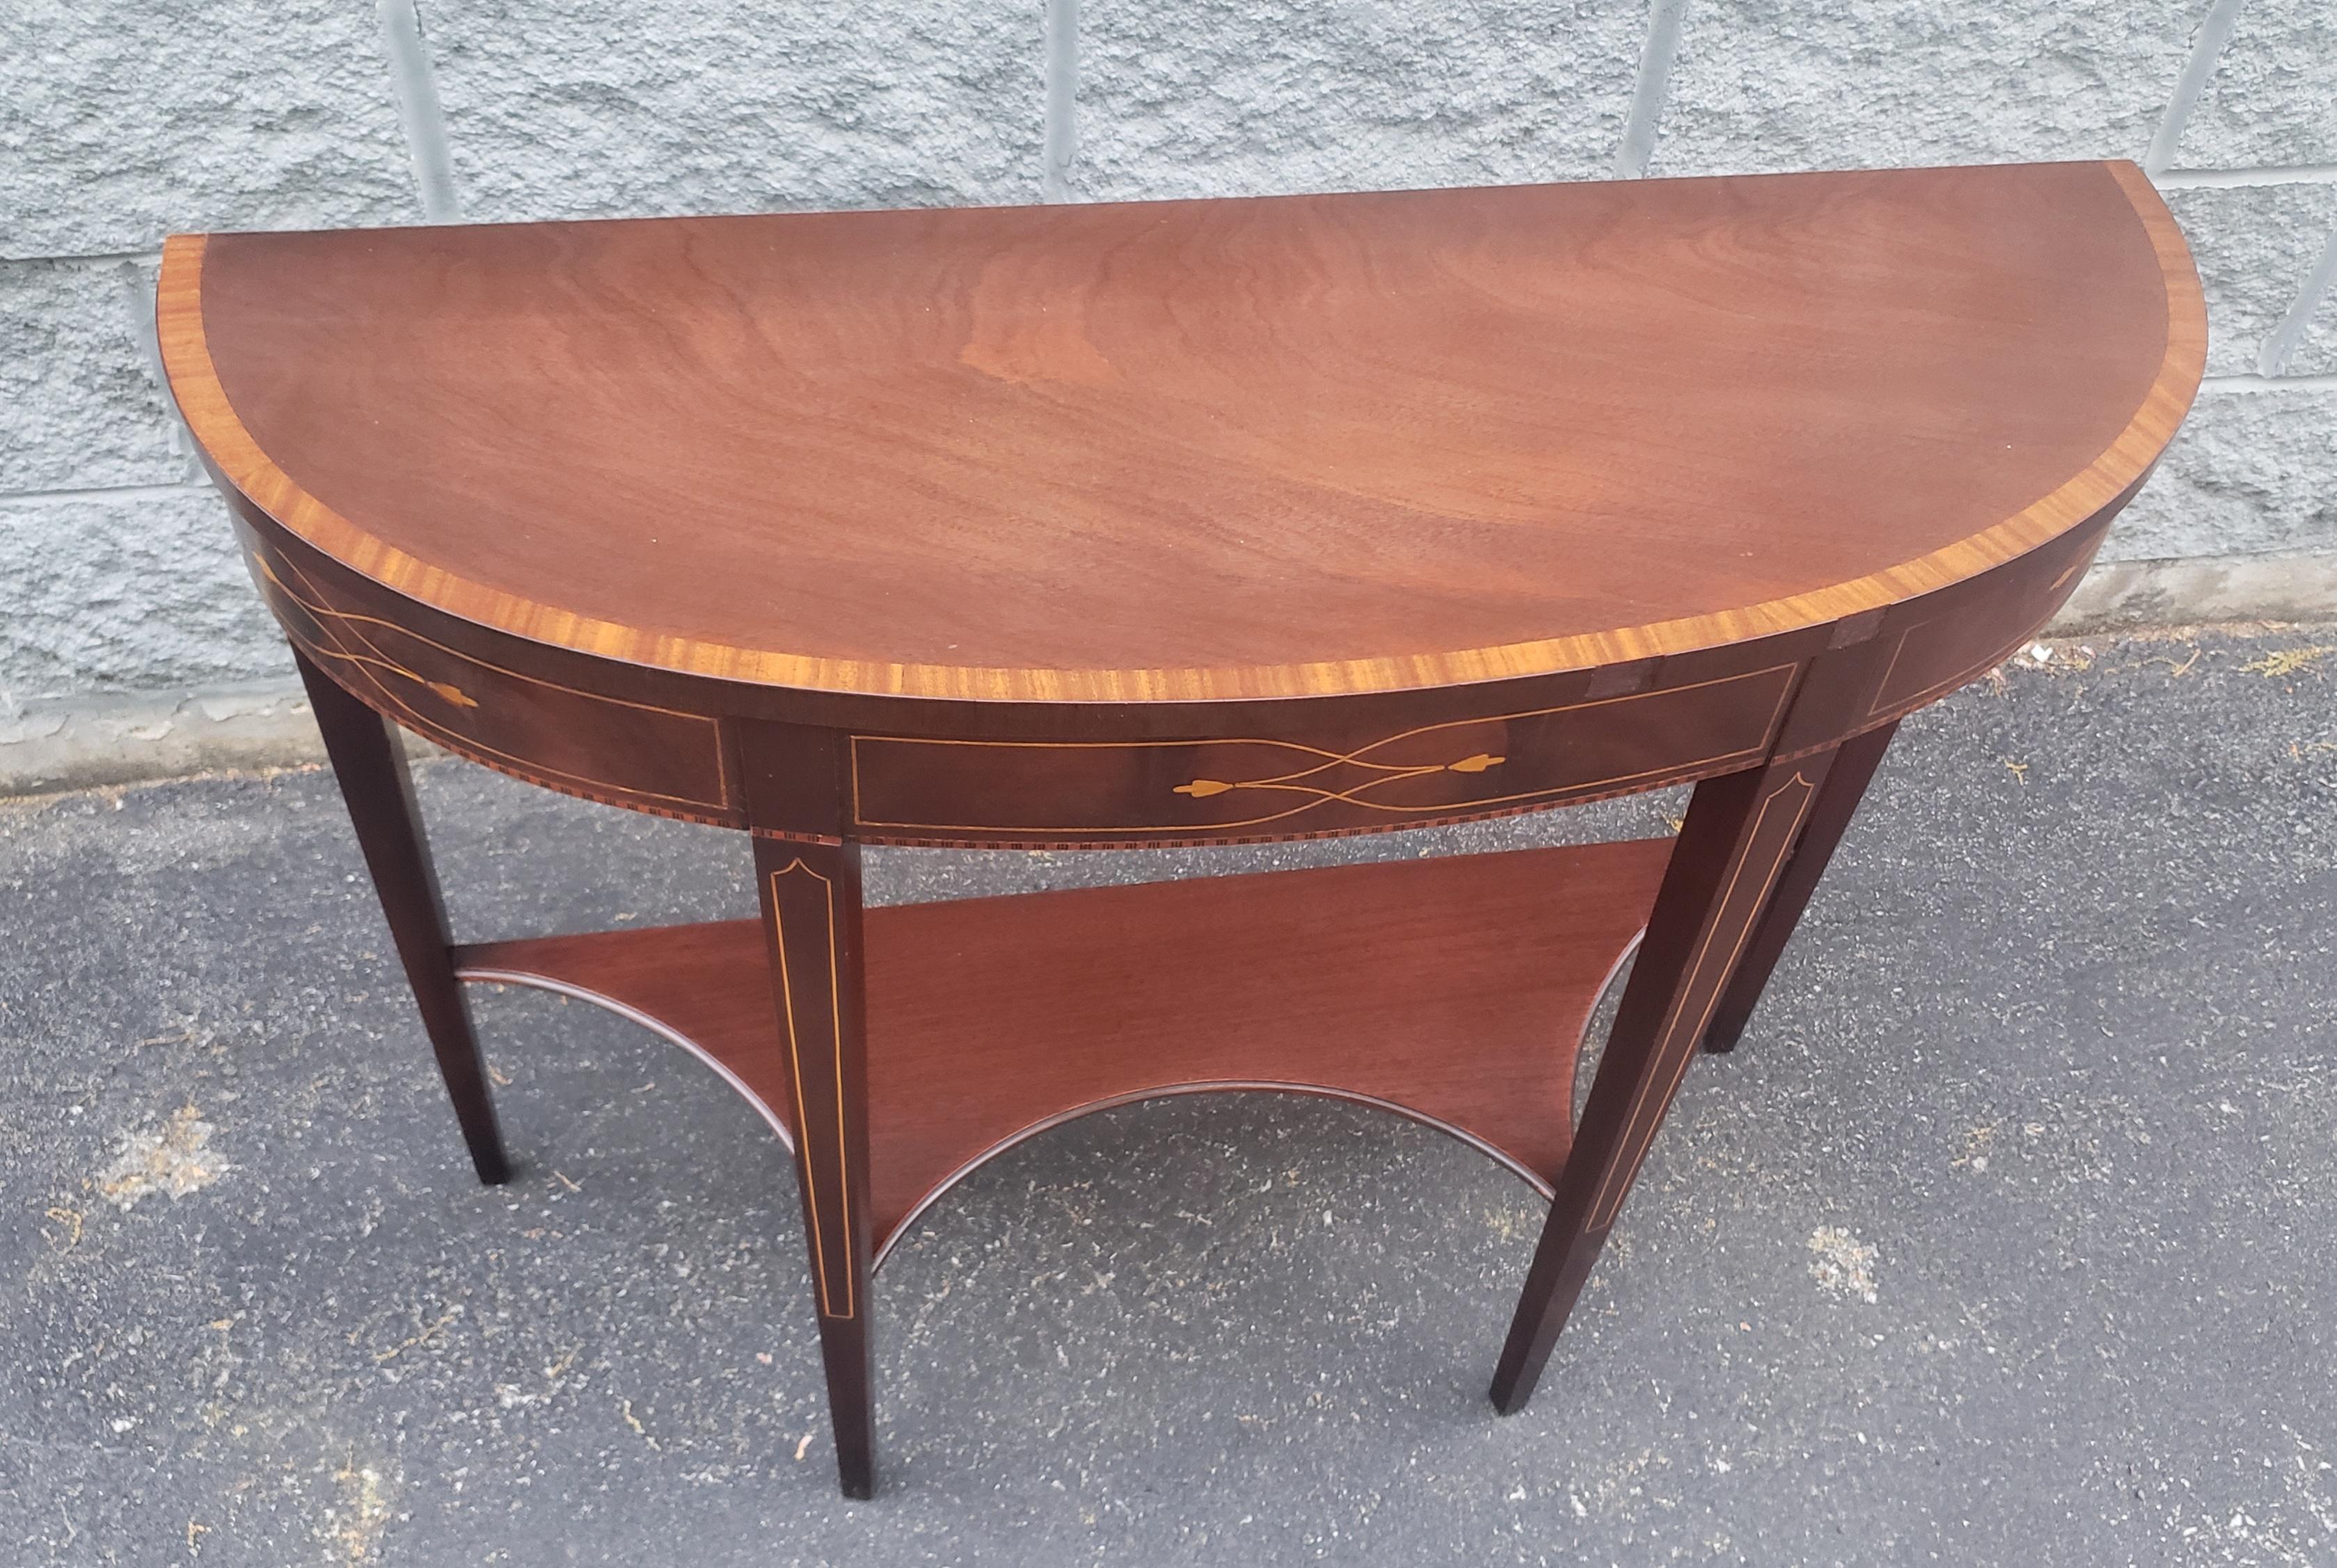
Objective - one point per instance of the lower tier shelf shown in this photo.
(1455, 991)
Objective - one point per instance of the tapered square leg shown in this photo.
(1829, 818)
(811, 911)
(370, 764)
(1732, 848)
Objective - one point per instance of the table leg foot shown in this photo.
(1830, 814)
(1732, 849)
(370, 764)
(851, 1401)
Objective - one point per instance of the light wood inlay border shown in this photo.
(194, 382)
(1486, 803)
(1887, 701)
(1678, 1046)
(319, 610)
(828, 1293)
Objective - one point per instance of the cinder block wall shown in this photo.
(121, 122)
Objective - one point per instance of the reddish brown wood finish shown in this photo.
(370, 766)
(1200, 451)
(1737, 836)
(1455, 991)
(1185, 522)
(1829, 818)
(812, 928)
(637, 754)
(1313, 780)
(1565, 527)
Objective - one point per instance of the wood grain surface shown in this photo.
(1193, 451)
(1184, 523)
(1454, 990)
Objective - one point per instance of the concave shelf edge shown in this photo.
(1453, 992)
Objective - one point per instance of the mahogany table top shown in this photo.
(1288, 445)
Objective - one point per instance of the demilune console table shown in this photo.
(1183, 523)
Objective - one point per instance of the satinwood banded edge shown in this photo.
(220, 432)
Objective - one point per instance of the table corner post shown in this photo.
(1829, 819)
(807, 878)
(369, 761)
(1739, 831)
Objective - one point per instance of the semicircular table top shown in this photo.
(1190, 450)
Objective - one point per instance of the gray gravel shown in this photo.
(2048, 1077)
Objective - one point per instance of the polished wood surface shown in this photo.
(369, 764)
(815, 947)
(1829, 818)
(919, 772)
(1298, 778)
(1202, 450)
(1738, 835)
(1455, 991)
(1183, 522)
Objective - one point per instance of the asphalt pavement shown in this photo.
(2009, 1236)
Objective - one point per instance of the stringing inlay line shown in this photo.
(803, 1107)
(1671, 1065)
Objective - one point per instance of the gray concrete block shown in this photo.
(2119, 595)
(1778, 84)
(2248, 472)
(128, 121)
(2254, 245)
(1288, 96)
(79, 405)
(2273, 100)
(129, 592)
(600, 109)
(2316, 352)
(87, 742)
